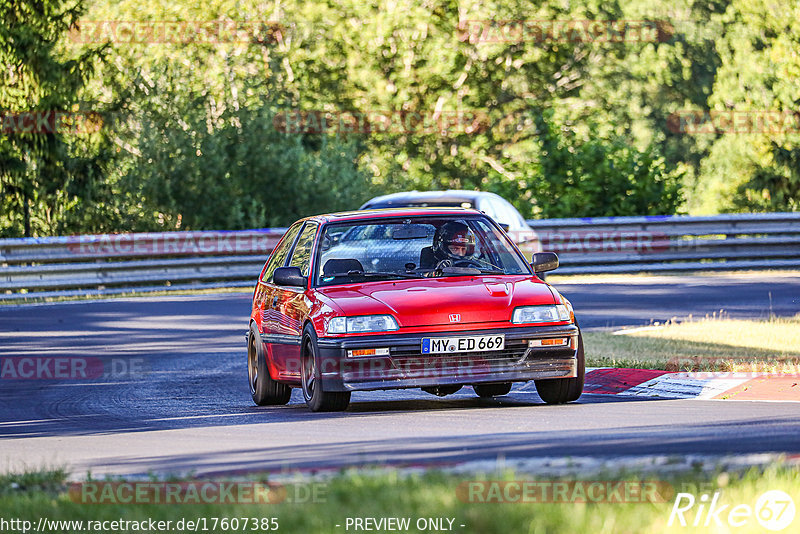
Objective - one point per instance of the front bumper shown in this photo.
(407, 367)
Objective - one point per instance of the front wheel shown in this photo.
(562, 390)
(263, 388)
(317, 399)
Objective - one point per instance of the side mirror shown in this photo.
(504, 226)
(289, 276)
(544, 261)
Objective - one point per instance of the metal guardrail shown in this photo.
(115, 263)
(673, 243)
(118, 263)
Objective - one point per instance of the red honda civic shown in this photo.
(434, 298)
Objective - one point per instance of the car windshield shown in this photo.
(414, 248)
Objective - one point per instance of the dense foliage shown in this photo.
(205, 128)
(42, 175)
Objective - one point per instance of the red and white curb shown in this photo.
(694, 385)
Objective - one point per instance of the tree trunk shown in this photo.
(26, 214)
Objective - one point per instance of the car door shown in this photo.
(291, 307)
(265, 293)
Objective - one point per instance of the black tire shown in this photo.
(316, 398)
(264, 390)
(492, 390)
(562, 390)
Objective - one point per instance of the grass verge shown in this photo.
(709, 344)
(435, 495)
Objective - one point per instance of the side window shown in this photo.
(278, 257)
(302, 251)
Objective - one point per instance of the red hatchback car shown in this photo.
(435, 298)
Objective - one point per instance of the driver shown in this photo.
(452, 242)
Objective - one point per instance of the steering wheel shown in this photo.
(467, 263)
(458, 263)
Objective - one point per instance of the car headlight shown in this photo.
(362, 323)
(540, 314)
(568, 304)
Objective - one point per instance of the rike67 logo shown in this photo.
(773, 510)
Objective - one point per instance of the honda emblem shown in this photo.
(455, 317)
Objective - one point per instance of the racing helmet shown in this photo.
(453, 238)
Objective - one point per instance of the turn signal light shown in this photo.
(553, 342)
(367, 352)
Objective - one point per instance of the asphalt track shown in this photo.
(172, 394)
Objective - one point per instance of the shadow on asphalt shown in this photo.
(72, 409)
(443, 450)
(195, 373)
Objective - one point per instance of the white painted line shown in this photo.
(626, 331)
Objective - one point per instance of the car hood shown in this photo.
(432, 301)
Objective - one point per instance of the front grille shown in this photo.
(514, 353)
(408, 362)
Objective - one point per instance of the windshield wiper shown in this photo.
(491, 267)
(493, 271)
(457, 271)
(370, 274)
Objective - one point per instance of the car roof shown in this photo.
(383, 213)
(451, 195)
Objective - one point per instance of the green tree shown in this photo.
(602, 177)
(200, 159)
(197, 147)
(243, 173)
(562, 126)
(756, 168)
(41, 177)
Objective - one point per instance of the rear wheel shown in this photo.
(263, 388)
(317, 399)
(492, 390)
(561, 390)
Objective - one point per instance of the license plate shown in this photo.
(437, 345)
